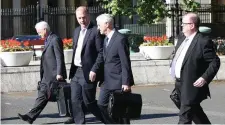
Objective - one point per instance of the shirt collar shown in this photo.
(48, 36)
(85, 27)
(110, 34)
(191, 37)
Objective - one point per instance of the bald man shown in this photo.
(85, 67)
(194, 66)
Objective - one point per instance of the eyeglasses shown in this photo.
(185, 24)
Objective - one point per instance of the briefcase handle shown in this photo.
(120, 91)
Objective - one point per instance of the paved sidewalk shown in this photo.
(157, 107)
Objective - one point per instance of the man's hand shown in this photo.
(126, 88)
(200, 82)
(59, 77)
(92, 76)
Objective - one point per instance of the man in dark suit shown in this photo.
(85, 67)
(194, 66)
(117, 66)
(52, 68)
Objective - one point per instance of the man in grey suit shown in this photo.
(52, 68)
(117, 66)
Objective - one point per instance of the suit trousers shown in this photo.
(41, 101)
(83, 96)
(192, 112)
(103, 105)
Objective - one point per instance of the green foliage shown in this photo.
(135, 41)
(13, 46)
(16, 48)
(156, 41)
(149, 11)
(191, 5)
(165, 43)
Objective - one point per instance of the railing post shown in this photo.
(173, 29)
(38, 12)
(177, 18)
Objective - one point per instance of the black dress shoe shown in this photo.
(69, 121)
(25, 118)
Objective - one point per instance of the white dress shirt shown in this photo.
(110, 36)
(77, 58)
(180, 59)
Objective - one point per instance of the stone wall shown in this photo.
(145, 72)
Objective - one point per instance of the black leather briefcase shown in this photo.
(174, 96)
(53, 92)
(124, 104)
(64, 101)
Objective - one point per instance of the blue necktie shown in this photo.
(46, 42)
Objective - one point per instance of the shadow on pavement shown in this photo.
(55, 115)
(93, 120)
(161, 115)
(54, 123)
(90, 120)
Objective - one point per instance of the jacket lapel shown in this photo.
(107, 49)
(75, 40)
(190, 49)
(88, 32)
(48, 42)
(76, 36)
(179, 43)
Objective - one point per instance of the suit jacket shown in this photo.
(91, 53)
(52, 59)
(117, 64)
(200, 61)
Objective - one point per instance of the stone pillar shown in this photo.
(6, 4)
(83, 2)
(71, 19)
(17, 20)
(43, 2)
(71, 3)
(222, 1)
(61, 25)
(169, 22)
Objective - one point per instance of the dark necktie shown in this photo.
(106, 41)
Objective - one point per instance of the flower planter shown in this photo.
(68, 53)
(156, 52)
(38, 50)
(19, 58)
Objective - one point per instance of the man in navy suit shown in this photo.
(52, 68)
(85, 67)
(117, 66)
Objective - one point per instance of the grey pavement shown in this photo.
(157, 107)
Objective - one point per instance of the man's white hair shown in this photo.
(106, 18)
(42, 25)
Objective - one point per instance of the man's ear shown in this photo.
(107, 24)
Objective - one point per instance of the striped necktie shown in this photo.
(176, 57)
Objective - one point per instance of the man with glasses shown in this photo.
(194, 65)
